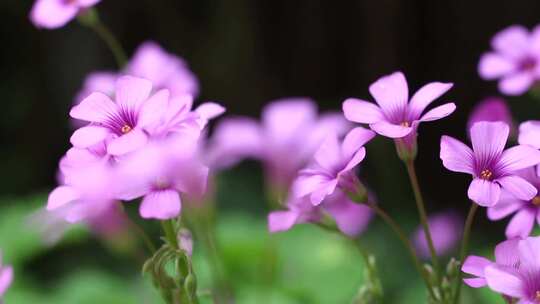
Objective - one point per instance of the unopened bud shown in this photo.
(185, 240)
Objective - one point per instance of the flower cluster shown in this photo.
(142, 144)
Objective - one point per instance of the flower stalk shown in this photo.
(464, 248)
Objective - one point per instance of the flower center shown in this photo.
(125, 129)
(536, 201)
(486, 174)
(405, 124)
(161, 183)
(527, 64)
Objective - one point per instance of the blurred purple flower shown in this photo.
(491, 109)
(395, 116)
(287, 137)
(51, 14)
(158, 172)
(6, 277)
(332, 166)
(514, 60)
(185, 241)
(446, 229)
(350, 218)
(123, 122)
(491, 166)
(514, 274)
(529, 133)
(527, 211)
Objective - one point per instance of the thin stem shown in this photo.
(464, 248)
(423, 215)
(111, 41)
(403, 237)
(170, 234)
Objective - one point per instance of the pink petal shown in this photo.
(504, 280)
(6, 277)
(507, 205)
(427, 94)
(61, 196)
(484, 193)
(529, 133)
(193, 179)
(491, 109)
(160, 204)
(518, 186)
(299, 113)
(328, 156)
(439, 112)
(209, 110)
(475, 282)
(506, 253)
(516, 84)
(153, 109)
(281, 220)
(351, 218)
(357, 158)
(512, 42)
(128, 142)
(361, 111)
(308, 183)
(488, 139)
(475, 265)
(493, 65)
(88, 3)
(529, 253)
(88, 136)
(131, 92)
(97, 107)
(391, 93)
(387, 129)
(51, 14)
(456, 156)
(354, 140)
(521, 224)
(323, 191)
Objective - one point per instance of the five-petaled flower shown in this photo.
(51, 14)
(515, 59)
(491, 166)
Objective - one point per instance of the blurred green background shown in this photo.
(246, 53)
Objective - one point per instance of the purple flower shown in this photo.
(491, 109)
(526, 211)
(158, 172)
(285, 140)
(51, 14)
(491, 166)
(514, 59)
(529, 133)
(396, 116)
(123, 121)
(333, 166)
(446, 229)
(514, 274)
(6, 277)
(350, 218)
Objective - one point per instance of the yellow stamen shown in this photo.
(536, 202)
(125, 129)
(486, 174)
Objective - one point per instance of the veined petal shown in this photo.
(88, 136)
(128, 142)
(493, 65)
(529, 253)
(439, 112)
(518, 186)
(475, 265)
(484, 193)
(456, 156)
(328, 156)
(475, 282)
(282, 220)
(488, 141)
(387, 129)
(529, 133)
(153, 109)
(507, 205)
(504, 280)
(161, 204)
(392, 94)
(97, 107)
(361, 111)
(131, 92)
(354, 140)
(506, 253)
(61, 196)
(521, 224)
(516, 84)
(51, 14)
(427, 94)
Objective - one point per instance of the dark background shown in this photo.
(247, 53)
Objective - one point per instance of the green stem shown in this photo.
(403, 237)
(146, 239)
(464, 248)
(423, 216)
(170, 234)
